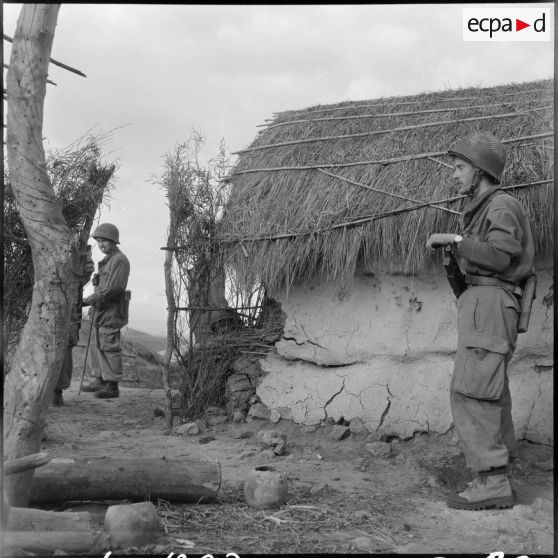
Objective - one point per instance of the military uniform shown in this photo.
(497, 254)
(110, 316)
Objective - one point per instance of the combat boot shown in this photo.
(485, 492)
(95, 385)
(57, 399)
(108, 391)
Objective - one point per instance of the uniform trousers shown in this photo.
(106, 353)
(480, 397)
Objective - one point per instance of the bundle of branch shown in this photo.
(81, 179)
(320, 188)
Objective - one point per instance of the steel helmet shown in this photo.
(482, 150)
(108, 231)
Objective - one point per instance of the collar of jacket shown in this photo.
(108, 256)
(472, 207)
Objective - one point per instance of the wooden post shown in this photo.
(29, 385)
(126, 478)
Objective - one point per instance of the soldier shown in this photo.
(68, 365)
(496, 252)
(109, 315)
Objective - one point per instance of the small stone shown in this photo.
(206, 439)
(241, 434)
(373, 437)
(202, 424)
(132, 524)
(277, 440)
(267, 454)
(260, 411)
(239, 416)
(275, 416)
(358, 428)
(216, 420)
(339, 432)
(246, 454)
(362, 543)
(188, 428)
(379, 449)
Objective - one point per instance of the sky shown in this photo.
(157, 73)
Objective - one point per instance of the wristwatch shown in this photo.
(458, 238)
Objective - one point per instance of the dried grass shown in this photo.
(80, 178)
(324, 224)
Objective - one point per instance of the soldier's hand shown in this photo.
(439, 240)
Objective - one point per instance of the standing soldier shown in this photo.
(65, 377)
(109, 314)
(496, 251)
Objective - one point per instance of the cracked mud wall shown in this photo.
(384, 352)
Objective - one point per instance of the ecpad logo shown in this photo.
(507, 24)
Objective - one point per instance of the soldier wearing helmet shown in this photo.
(495, 250)
(110, 313)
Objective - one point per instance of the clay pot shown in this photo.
(265, 487)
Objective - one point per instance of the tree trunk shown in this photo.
(41, 542)
(29, 385)
(171, 324)
(132, 478)
(28, 519)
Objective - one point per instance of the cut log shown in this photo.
(28, 519)
(48, 541)
(126, 478)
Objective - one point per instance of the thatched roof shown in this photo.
(321, 186)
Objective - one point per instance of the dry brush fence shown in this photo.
(211, 321)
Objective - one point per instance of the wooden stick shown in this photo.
(387, 131)
(55, 62)
(384, 115)
(381, 161)
(379, 103)
(383, 191)
(376, 217)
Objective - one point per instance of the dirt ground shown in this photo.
(342, 499)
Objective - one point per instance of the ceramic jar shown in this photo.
(265, 487)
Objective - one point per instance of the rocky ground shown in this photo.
(351, 494)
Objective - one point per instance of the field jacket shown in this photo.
(109, 298)
(497, 238)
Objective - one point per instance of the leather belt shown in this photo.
(484, 281)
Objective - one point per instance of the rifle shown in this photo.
(456, 279)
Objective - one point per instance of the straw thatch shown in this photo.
(320, 187)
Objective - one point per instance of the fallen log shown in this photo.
(126, 478)
(48, 541)
(29, 519)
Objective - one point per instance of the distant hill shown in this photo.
(155, 343)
